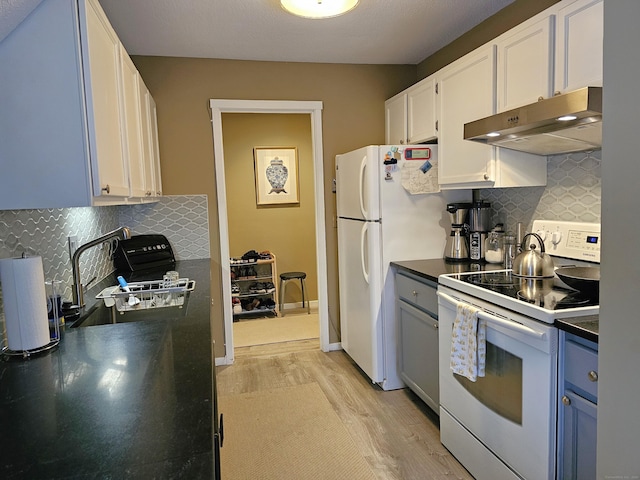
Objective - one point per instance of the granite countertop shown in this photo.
(431, 269)
(125, 400)
(586, 327)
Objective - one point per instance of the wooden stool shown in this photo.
(284, 278)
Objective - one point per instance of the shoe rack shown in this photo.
(254, 287)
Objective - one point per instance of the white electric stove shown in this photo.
(503, 424)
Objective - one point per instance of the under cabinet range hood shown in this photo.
(571, 122)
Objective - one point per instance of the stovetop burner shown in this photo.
(539, 292)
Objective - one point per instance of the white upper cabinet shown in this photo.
(396, 120)
(155, 147)
(421, 111)
(525, 64)
(410, 115)
(466, 90)
(579, 45)
(101, 62)
(68, 133)
(152, 178)
(133, 125)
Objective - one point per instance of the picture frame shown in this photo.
(276, 175)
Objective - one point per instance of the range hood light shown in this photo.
(493, 134)
(567, 118)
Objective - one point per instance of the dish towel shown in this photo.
(468, 343)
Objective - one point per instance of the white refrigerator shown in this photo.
(384, 216)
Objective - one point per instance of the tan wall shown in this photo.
(353, 98)
(286, 230)
(507, 18)
(353, 115)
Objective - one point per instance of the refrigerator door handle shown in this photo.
(363, 167)
(363, 237)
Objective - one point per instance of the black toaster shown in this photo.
(144, 252)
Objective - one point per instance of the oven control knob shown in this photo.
(543, 234)
(566, 400)
(593, 376)
(556, 237)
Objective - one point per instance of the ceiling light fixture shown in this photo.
(318, 8)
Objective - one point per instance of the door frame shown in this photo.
(314, 109)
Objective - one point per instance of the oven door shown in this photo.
(508, 416)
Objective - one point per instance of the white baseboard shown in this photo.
(312, 304)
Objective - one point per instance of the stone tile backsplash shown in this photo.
(183, 219)
(572, 193)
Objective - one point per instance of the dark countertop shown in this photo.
(586, 327)
(433, 268)
(126, 400)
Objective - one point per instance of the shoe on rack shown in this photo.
(235, 289)
(257, 287)
(269, 303)
(266, 255)
(251, 255)
(251, 272)
(247, 305)
(269, 287)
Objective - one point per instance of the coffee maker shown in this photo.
(480, 215)
(457, 248)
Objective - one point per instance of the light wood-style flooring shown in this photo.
(395, 431)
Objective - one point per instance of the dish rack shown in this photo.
(147, 295)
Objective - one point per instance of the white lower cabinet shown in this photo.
(577, 408)
(416, 309)
(68, 133)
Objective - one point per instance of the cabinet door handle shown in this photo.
(486, 176)
(414, 293)
(106, 189)
(435, 326)
(593, 376)
(566, 400)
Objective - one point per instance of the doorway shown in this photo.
(314, 110)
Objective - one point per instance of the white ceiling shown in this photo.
(376, 32)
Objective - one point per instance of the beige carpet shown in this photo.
(289, 433)
(261, 331)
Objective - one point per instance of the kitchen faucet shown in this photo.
(78, 293)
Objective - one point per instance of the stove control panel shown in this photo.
(573, 240)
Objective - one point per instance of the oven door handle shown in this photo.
(511, 325)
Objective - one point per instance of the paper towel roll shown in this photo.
(25, 303)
